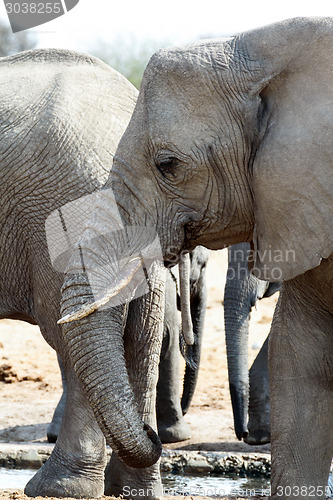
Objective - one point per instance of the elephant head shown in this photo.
(229, 142)
(212, 153)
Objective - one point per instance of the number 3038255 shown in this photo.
(33, 8)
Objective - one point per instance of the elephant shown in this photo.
(170, 406)
(63, 114)
(229, 142)
(249, 390)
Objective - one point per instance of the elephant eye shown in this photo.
(167, 165)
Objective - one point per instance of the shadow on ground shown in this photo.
(19, 433)
(226, 446)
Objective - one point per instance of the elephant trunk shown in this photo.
(193, 352)
(96, 350)
(237, 308)
(185, 298)
(236, 332)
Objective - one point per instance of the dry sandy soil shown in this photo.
(30, 383)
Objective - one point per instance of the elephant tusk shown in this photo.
(184, 282)
(123, 279)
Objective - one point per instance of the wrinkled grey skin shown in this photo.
(230, 142)
(249, 391)
(62, 115)
(170, 405)
(170, 422)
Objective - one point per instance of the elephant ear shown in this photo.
(293, 162)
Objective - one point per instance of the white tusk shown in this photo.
(125, 276)
(184, 282)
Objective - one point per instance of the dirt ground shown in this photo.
(30, 384)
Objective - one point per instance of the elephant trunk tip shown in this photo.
(239, 400)
(242, 434)
(145, 459)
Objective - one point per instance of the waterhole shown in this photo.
(173, 484)
(214, 486)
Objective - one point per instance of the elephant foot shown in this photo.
(60, 478)
(52, 433)
(258, 437)
(129, 483)
(259, 424)
(172, 433)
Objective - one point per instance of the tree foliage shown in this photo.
(128, 57)
(10, 42)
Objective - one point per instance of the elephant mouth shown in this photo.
(173, 255)
(173, 259)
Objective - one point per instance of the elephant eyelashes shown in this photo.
(167, 165)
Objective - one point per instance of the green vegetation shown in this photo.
(129, 57)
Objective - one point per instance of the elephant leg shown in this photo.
(301, 384)
(54, 426)
(259, 426)
(171, 424)
(76, 465)
(142, 339)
